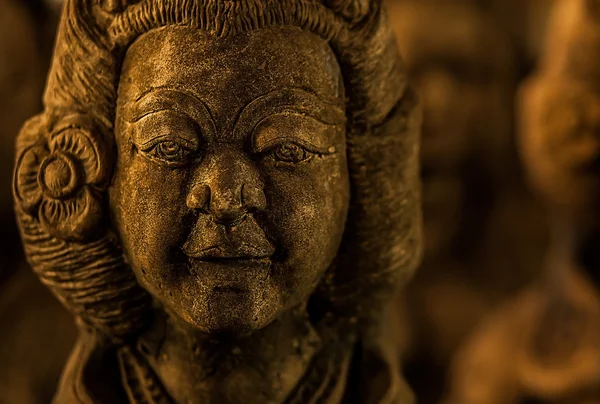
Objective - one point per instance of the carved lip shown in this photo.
(225, 253)
(239, 273)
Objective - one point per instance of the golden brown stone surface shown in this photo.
(225, 195)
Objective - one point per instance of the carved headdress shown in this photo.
(65, 158)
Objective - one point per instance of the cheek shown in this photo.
(148, 203)
(306, 216)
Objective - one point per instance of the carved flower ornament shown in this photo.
(60, 182)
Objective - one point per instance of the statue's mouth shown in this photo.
(241, 252)
(243, 245)
(231, 267)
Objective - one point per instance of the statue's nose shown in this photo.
(231, 191)
(227, 207)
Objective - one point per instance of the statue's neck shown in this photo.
(574, 241)
(262, 367)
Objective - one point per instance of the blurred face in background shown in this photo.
(560, 142)
(463, 73)
(560, 113)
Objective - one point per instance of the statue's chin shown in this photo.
(232, 311)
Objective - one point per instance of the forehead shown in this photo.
(228, 73)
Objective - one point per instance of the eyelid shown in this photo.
(306, 131)
(165, 125)
(286, 139)
(163, 98)
(167, 138)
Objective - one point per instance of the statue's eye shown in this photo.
(169, 152)
(291, 153)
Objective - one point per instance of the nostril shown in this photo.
(229, 206)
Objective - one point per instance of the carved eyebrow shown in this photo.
(161, 99)
(165, 125)
(291, 99)
(316, 136)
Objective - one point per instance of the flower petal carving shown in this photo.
(86, 146)
(76, 143)
(60, 183)
(75, 218)
(27, 190)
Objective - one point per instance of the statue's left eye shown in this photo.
(291, 153)
(169, 152)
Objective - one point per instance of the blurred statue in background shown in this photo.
(225, 195)
(544, 344)
(36, 332)
(476, 210)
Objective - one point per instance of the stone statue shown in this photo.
(225, 195)
(544, 344)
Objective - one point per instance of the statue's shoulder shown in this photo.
(561, 355)
(540, 343)
(91, 375)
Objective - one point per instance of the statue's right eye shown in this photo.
(169, 152)
(166, 137)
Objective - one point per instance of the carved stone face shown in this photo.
(231, 189)
(561, 141)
